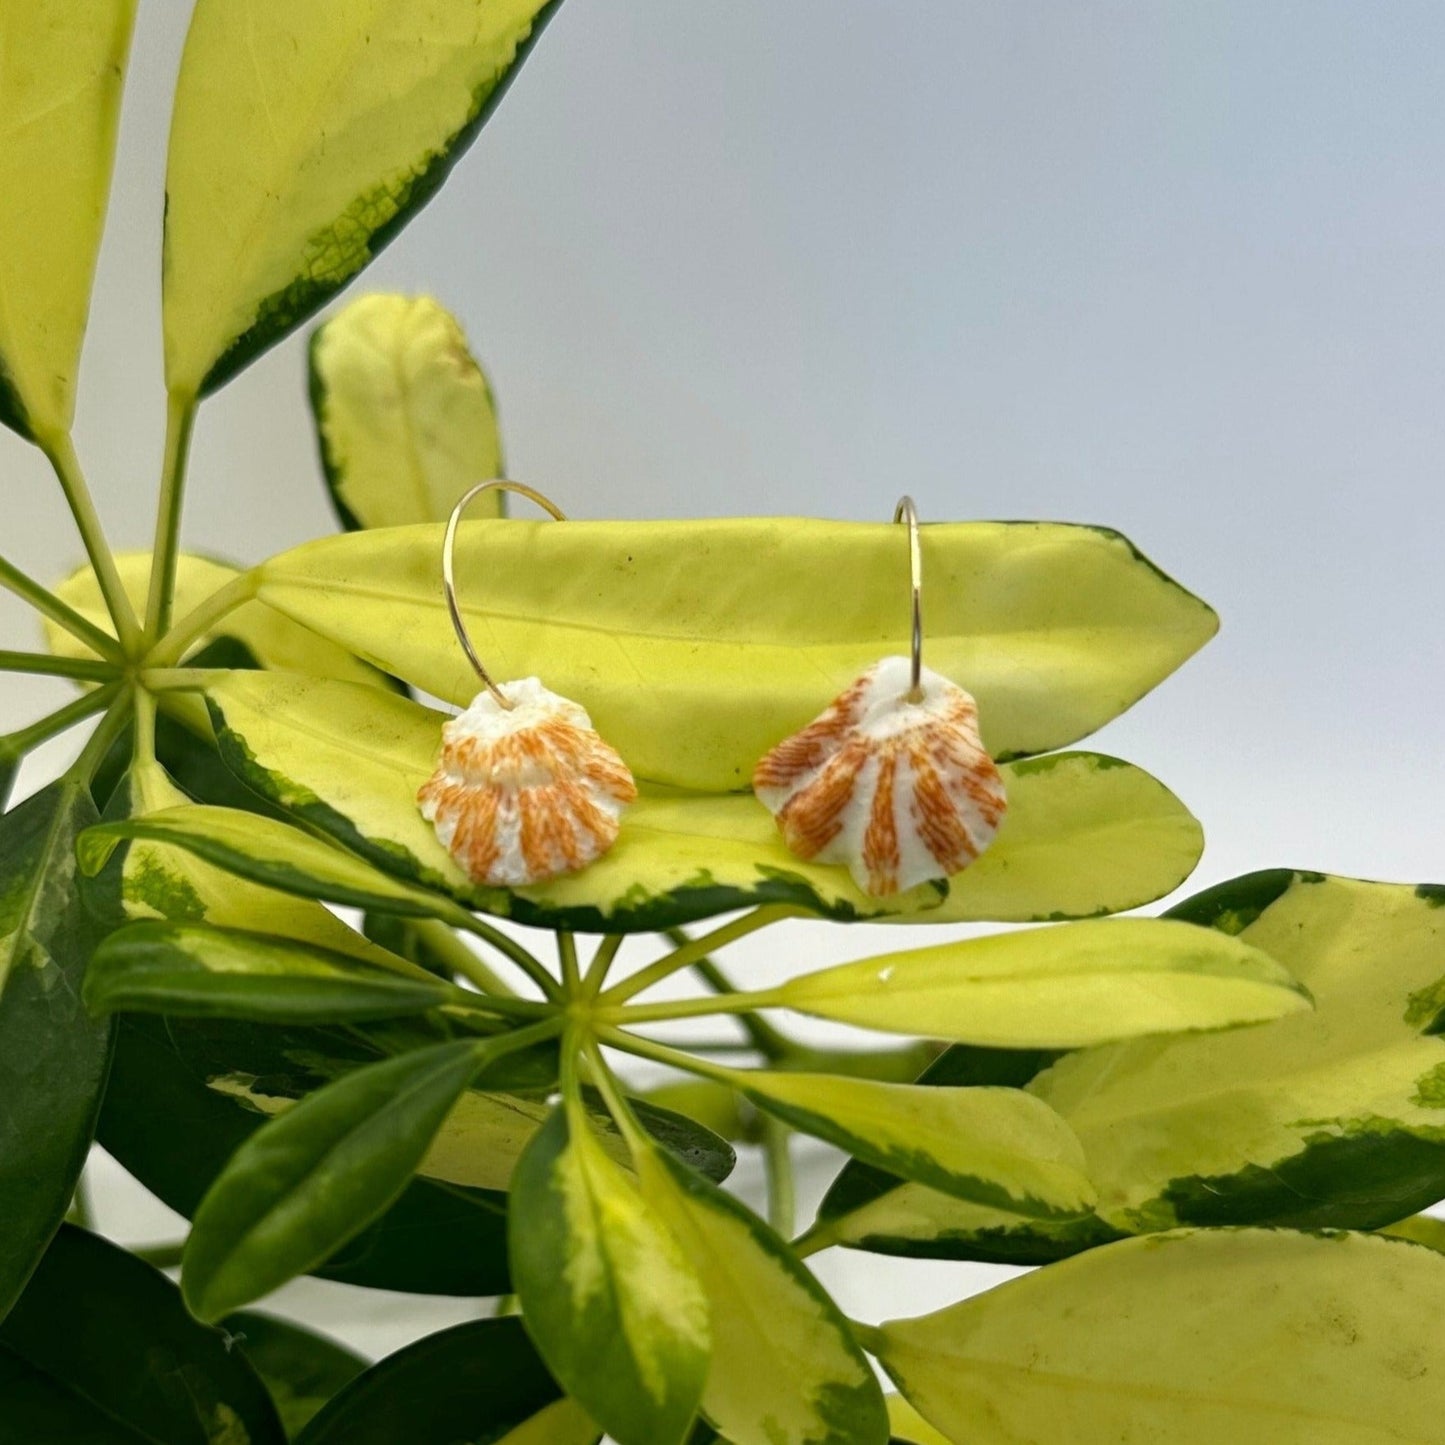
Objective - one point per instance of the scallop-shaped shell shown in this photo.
(901, 791)
(526, 794)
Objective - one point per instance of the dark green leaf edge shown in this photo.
(13, 412)
(124, 976)
(959, 1066)
(916, 1164)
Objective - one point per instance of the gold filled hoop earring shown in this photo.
(449, 570)
(905, 511)
(525, 788)
(892, 778)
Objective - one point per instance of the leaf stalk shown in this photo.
(61, 454)
(42, 664)
(55, 723)
(168, 652)
(697, 948)
(180, 422)
(45, 602)
(110, 726)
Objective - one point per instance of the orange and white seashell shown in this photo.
(902, 791)
(525, 794)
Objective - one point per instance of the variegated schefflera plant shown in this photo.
(433, 1101)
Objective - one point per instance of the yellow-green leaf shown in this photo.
(1192, 1338)
(404, 413)
(908, 1426)
(271, 639)
(716, 1106)
(195, 970)
(1426, 1229)
(1084, 834)
(304, 137)
(993, 1146)
(1058, 987)
(913, 1220)
(785, 1368)
(563, 1422)
(62, 67)
(263, 850)
(698, 646)
(1335, 1117)
(610, 1298)
(177, 865)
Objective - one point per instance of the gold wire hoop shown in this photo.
(905, 511)
(449, 577)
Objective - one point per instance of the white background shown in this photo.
(1170, 267)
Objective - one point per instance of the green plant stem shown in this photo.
(567, 959)
(110, 726)
(813, 1240)
(662, 1054)
(698, 948)
(45, 602)
(494, 1007)
(508, 948)
(778, 1166)
(144, 751)
(602, 961)
(870, 1337)
(182, 679)
(505, 1005)
(772, 1045)
(73, 712)
(171, 648)
(180, 420)
(42, 664)
(617, 1105)
(459, 958)
(686, 1008)
(569, 1083)
(61, 454)
(740, 1047)
(500, 1045)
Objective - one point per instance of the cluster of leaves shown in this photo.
(429, 1103)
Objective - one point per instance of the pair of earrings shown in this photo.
(891, 780)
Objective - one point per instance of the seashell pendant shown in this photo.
(901, 791)
(525, 794)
